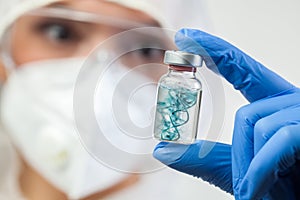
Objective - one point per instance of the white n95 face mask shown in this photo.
(37, 113)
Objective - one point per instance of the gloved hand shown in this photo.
(264, 159)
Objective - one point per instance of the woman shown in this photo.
(43, 50)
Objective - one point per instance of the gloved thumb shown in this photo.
(214, 168)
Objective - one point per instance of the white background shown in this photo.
(267, 30)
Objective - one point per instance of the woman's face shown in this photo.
(38, 37)
(35, 38)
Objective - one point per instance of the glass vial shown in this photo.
(178, 99)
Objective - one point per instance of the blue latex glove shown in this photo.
(263, 161)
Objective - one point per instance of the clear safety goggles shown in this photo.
(58, 32)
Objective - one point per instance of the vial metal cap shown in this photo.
(181, 58)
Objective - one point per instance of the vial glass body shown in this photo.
(178, 106)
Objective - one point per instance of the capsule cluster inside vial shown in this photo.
(175, 111)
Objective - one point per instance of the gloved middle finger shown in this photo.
(266, 127)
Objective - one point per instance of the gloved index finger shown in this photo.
(247, 75)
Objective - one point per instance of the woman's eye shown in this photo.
(142, 56)
(150, 54)
(56, 32)
(146, 52)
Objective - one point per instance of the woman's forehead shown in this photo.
(107, 8)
